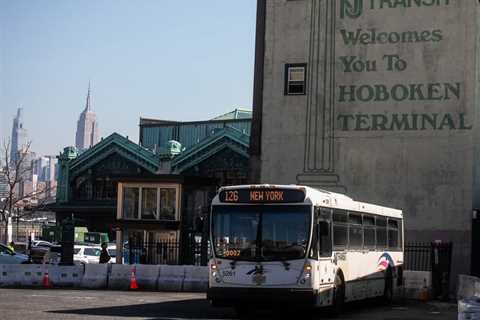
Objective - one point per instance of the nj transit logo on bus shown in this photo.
(384, 261)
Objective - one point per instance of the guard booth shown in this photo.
(441, 257)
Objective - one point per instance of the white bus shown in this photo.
(299, 246)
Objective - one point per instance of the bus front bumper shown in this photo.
(263, 296)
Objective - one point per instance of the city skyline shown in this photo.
(170, 61)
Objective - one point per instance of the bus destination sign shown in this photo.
(262, 195)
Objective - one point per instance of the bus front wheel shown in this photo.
(338, 294)
(242, 311)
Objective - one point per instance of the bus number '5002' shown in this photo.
(231, 196)
(232, 253)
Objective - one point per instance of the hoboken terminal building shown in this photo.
(376, 99)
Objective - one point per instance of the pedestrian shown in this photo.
(104, 256)
(11, 246)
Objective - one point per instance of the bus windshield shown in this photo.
(261, 233)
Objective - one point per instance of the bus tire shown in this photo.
(242, 311)
(338, 294)
(388, 289)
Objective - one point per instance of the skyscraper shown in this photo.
(19, 137)
(87, 127)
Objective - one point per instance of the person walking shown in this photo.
(104, 256)
(11, 246)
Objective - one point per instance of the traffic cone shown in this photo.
(46, 281)
(424, 296)
(133, 281)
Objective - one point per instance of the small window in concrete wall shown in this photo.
(168, 200)
(295, 75)
(131, 198)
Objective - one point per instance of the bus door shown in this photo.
(324, 235)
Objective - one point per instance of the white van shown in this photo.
(86, 254)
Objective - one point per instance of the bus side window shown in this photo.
(392, 234)
(340, 230)
(381, 224)
(355, 231)
(400, 234)
(368, 232)
(325, 239)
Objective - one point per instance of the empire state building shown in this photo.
(87, 127)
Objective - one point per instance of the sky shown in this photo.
(163, 59)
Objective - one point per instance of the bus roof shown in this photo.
(324, 198)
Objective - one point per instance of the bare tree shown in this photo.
(15, 173)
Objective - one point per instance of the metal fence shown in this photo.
(158, 252)
(20, 233)
(418, 256)
(435, 257)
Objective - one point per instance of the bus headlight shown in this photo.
(214, 272)
(307, 273)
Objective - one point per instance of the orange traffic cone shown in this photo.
(133, 281)
(424, 296)
(46, 281)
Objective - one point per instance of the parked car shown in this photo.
(7, 256)
(41, 243)
(86, 254)
(45, 254)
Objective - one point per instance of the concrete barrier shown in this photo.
(95, 276)
(196, 279)
(12, 275)
(113, 276)
(469, 309)
(30, 275)
(119, 277)
(66, 276)
(468, 287)
(171, 278)
(415, 281)
(147, 276)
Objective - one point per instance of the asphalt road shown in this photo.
(87, 304)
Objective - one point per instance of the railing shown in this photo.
(21, 233)
(156, 252)
(418, 256)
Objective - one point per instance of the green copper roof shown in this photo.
(238, 113)
(116, 143)
(156, 134)
(226, 137)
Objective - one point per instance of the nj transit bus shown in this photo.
(294, 245)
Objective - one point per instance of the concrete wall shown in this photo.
(388, 116)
